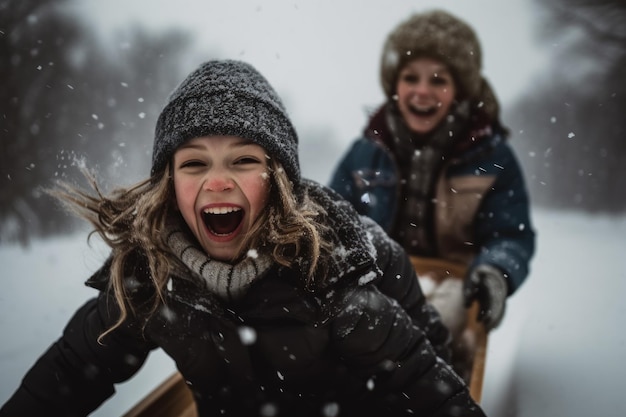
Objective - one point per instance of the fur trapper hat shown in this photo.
(440, 35)
(230, 98)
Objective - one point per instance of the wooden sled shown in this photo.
(441, 269)
(173, 397)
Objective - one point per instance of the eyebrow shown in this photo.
(442, 70)
(238, 144)
(243, 142)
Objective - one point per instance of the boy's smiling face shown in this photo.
(425, 92)
(221, 185)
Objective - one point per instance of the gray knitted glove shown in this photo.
(487, 284)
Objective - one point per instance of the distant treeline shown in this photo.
(570, 127)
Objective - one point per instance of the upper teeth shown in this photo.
(220, 210)
(422, 108)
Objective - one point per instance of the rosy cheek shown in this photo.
(183, 192)
(263, 187)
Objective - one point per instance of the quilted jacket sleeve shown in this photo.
(399, 282)
(77, 374)
(380, 344)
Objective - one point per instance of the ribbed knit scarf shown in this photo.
(229, 282)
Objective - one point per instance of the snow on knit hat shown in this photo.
(230, 98)
(440, 35)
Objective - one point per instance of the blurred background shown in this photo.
(83, 81)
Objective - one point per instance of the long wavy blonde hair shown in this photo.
(134, 218)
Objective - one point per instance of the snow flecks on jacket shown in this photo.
(367, 278)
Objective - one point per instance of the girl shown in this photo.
(271, 294)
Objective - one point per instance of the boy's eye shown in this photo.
(439, 80)
(409, 78)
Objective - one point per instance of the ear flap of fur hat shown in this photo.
(487, 100)
(228, 98)
(440, 35)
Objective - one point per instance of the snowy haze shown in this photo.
(559, 351)
(322, 56)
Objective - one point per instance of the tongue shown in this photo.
(223, 224)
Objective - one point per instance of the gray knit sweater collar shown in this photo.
(228, 281)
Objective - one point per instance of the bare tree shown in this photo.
(573, 126)
(64, 97)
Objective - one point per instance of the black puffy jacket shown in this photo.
(364, 343)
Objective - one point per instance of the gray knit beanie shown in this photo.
(439, 35)
(228, 98)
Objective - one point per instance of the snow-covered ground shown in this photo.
(559, 351)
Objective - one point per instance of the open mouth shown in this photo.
(423, 111)
(222, 221)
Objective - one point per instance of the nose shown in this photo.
(218, 180)
(421, 88)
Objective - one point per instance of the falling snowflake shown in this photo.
(330, 410)
(131, 360)
(268, 410)
(247, 335)
(168, 314)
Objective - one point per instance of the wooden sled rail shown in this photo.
(173, 397)
(480, 355)
(442, 269)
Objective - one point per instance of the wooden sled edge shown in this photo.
(480, 353)
(172, 398)
(441, 269)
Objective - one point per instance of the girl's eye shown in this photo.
(191, 164)
(246, 160)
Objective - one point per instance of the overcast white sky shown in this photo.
(322, 55)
